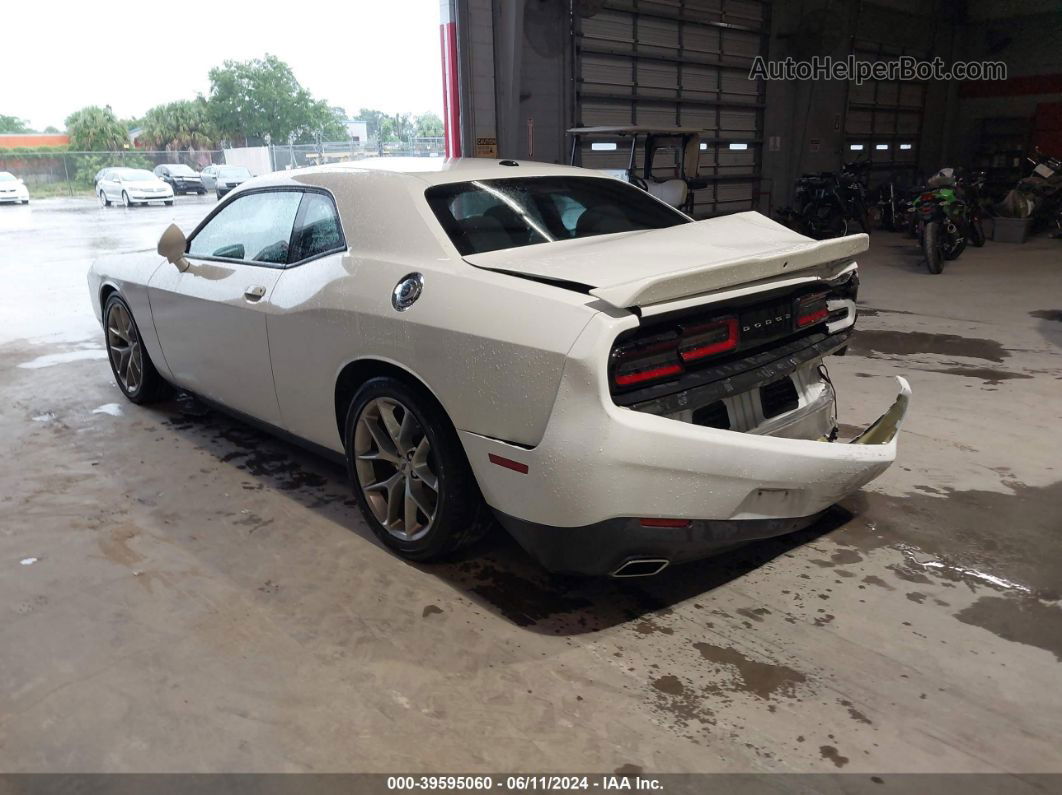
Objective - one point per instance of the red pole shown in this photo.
(451, 96)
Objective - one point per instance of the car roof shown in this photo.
(434, 170)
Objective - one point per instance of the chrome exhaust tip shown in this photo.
(641, 567)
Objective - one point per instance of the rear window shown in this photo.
(493, 214)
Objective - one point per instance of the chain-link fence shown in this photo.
(287, 156)
(59, 173)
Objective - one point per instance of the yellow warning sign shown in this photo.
(486, 147)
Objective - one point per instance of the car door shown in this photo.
(211, 319)
(208, 177)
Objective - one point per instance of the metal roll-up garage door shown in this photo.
(682, 63)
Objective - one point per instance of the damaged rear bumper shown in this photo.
(576, 501)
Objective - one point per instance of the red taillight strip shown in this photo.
(665, 522)
(804, 318)
(508, 463)
(712, 348)
(626, 379)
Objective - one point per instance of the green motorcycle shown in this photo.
(945, 221)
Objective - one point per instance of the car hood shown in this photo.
(657, 265)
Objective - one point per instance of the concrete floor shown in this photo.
(180, 592)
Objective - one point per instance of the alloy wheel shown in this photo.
(395, 468)
(123, 346)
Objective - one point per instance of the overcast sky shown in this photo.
(355, 54)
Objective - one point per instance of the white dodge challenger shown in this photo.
(622, 387)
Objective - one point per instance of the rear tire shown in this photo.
(399, 444)
(977, 233)
(131, 366)
(931, 247)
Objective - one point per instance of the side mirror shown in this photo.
(172, 245)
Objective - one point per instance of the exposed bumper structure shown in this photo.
(576, 499)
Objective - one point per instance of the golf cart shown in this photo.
(674, 151)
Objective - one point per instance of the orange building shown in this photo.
(32, 140)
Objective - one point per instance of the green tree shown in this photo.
(374, 121)
(95, 129)
(13, 124)
(50, 129)
(184, 124)
(428, 125)
(260, 97)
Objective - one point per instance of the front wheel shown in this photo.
(409, 472)
(168, 202)
(931, 246)
(104, 201)
(133, 371)
(977, 233)
(125, 199)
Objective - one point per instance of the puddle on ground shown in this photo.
(1020, 620)
(758, 678)
(982, 538)
(988, 375)
(1048, 314)
(867, 342)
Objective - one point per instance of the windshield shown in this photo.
(6, 177)
(181, 171)
(234, 171)
(136, 176)
(488, 215)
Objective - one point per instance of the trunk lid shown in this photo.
(658, 265)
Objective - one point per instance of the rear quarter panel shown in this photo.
(491, 348)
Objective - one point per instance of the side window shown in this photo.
(255, 227)
(316, 228)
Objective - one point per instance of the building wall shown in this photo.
(33, 140)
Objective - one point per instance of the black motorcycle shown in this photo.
(828, 203)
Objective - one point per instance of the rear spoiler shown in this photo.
(688, 282)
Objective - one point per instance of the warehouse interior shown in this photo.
(183, 592)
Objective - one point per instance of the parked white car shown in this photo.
(12, 188)
(131, 186)
(623, 387)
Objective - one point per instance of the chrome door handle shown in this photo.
(254, 293)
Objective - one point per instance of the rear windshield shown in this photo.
(181, 171)
(493, 214)
(233, 171)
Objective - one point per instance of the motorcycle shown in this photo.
(827, 203)
(945, 220)
(1039, 195)
(894, 206)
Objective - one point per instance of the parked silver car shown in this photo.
(132, 186)
(222, 179)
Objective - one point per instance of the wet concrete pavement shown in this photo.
(181, 592)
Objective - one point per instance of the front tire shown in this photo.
(931, 246)
(410, 476)
(133, 370)
(977, 233)
(125, 199)
(104, 201)
(168, 202)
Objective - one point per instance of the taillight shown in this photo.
(639, 363)
(709, 339)
(664, 357)
(811, 309)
